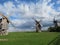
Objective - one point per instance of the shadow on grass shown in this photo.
(55, 41)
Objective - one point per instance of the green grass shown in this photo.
(31, 38)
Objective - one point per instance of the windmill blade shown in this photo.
(33, 18)
(12, 24)
(39, 20)
(9, 14)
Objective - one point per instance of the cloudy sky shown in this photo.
(21, 12)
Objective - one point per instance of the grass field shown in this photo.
(31, 38)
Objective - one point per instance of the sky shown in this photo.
(21, 12)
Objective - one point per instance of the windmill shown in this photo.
(4, 24)
(38, 25)
(55, 22)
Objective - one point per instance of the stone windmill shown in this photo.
(4, 21)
